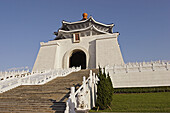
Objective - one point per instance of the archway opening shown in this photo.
(78, 58)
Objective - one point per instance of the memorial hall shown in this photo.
(86, 43)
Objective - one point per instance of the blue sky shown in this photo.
(144, 26)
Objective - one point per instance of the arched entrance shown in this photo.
(78, 58)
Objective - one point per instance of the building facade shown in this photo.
(86, 43)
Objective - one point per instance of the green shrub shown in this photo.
(104, 90)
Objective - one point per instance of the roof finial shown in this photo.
(85, 16)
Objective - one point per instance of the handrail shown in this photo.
(35, 78)
(82, 86)
(79, 100)
(13, 74)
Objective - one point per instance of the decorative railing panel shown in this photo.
(36, 78)
(139, 67)
(143, 74)
(85, 97)
(13, 74)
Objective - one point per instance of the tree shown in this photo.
(104, 90)
(110, 89)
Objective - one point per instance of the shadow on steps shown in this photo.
(58, 107)
(68, 94)
(65, 97)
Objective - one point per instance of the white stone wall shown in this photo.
(141, 79)
(140, 75)
(45, 58)
(108, 52)
(55, 54)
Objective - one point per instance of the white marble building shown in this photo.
(86, 43)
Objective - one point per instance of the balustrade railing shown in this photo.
(13, 74)
(36, 78)
(139, 67)
(85, 97)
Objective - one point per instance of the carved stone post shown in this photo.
(72, 90)
(45, 78)
(67, 110)
(152, 67)
(167, 66)
(73, 100)
(126, 68)
(84, 84)
(85, 92)
(96, 81)
(140, 67)
(5, 76)
(93, 90)
(90, 89)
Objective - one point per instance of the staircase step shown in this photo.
(47, 98)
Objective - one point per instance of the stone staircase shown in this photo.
(47, 98)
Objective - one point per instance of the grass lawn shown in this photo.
(139, 102)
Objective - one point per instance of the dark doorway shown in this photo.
(78, 58)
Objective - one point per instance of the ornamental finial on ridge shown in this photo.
(85, 16)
